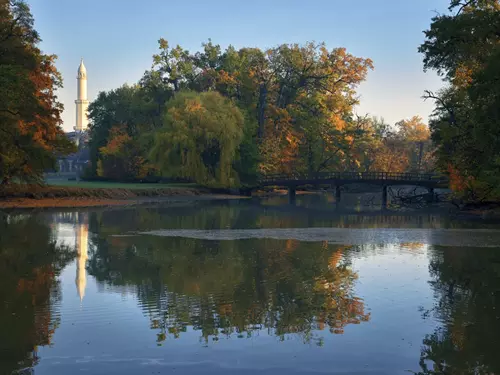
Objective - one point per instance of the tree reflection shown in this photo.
(466, 282)
(30, 260)
(252, 215)
(233, 288)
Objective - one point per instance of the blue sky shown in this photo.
(117, 39)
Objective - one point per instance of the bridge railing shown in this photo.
(392, 176)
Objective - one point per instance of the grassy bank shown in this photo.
(118, 185)
(90, 194)
(96, 190)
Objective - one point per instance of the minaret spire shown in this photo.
(81, 99)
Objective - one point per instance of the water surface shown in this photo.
(240, 287)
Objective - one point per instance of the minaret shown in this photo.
(81, 99)
(82, 235)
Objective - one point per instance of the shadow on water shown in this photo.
(241, 289)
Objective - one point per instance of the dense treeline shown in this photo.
(464, 47)
(217, 117)
(222, 117)
(30, 124)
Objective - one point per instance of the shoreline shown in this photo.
(85, 202)
(33, 196)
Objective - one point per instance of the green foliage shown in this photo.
(199, 139)
(30, 133)
(295, 105)
(247, 158)
(465, 48)
(121, 107)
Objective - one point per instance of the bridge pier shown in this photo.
(337, 193)
(432, 197)
(384, 197)
(292, 194)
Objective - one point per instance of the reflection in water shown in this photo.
(466, 283)
(81, 244)
(355, 303)
(30, 261)
(233, 288)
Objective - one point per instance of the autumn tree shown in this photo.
(31, 136)
(130, 112)
(414, 140)
(464, 47)
(297, 97)
(296, 101)
(121, 158)
(403, 147)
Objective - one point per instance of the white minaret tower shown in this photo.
(81, 99)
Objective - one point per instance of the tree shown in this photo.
(199, 139)
(464, 47)
(121, 158)
(290, 91)
(403, 147)
(296, 102)
(125, 108)
(415, 138)
(31, 136)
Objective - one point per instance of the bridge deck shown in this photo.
(342, 178)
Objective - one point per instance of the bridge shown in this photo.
(338, 179)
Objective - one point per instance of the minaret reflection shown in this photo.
(81, 243)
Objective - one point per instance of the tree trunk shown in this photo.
(420, 155)
(261, 109)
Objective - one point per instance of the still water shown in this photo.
(231, 287)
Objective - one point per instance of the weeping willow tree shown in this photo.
(199, 139)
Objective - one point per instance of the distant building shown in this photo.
(73, 165)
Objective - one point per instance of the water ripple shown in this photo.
(348, 236)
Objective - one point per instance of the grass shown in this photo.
(98, 190)
(117, 185)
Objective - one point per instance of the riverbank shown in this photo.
(34, 196)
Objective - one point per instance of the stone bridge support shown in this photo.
(292, 194)
(432, 196)
(337, 193)
(384, 197)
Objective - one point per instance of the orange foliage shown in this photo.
(458, 182)
(44, 127)
(118, 137)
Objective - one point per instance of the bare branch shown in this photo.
(464, 5)
(430, 95)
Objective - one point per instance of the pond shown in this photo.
(247, 287)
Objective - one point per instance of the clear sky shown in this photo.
(117, 39)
